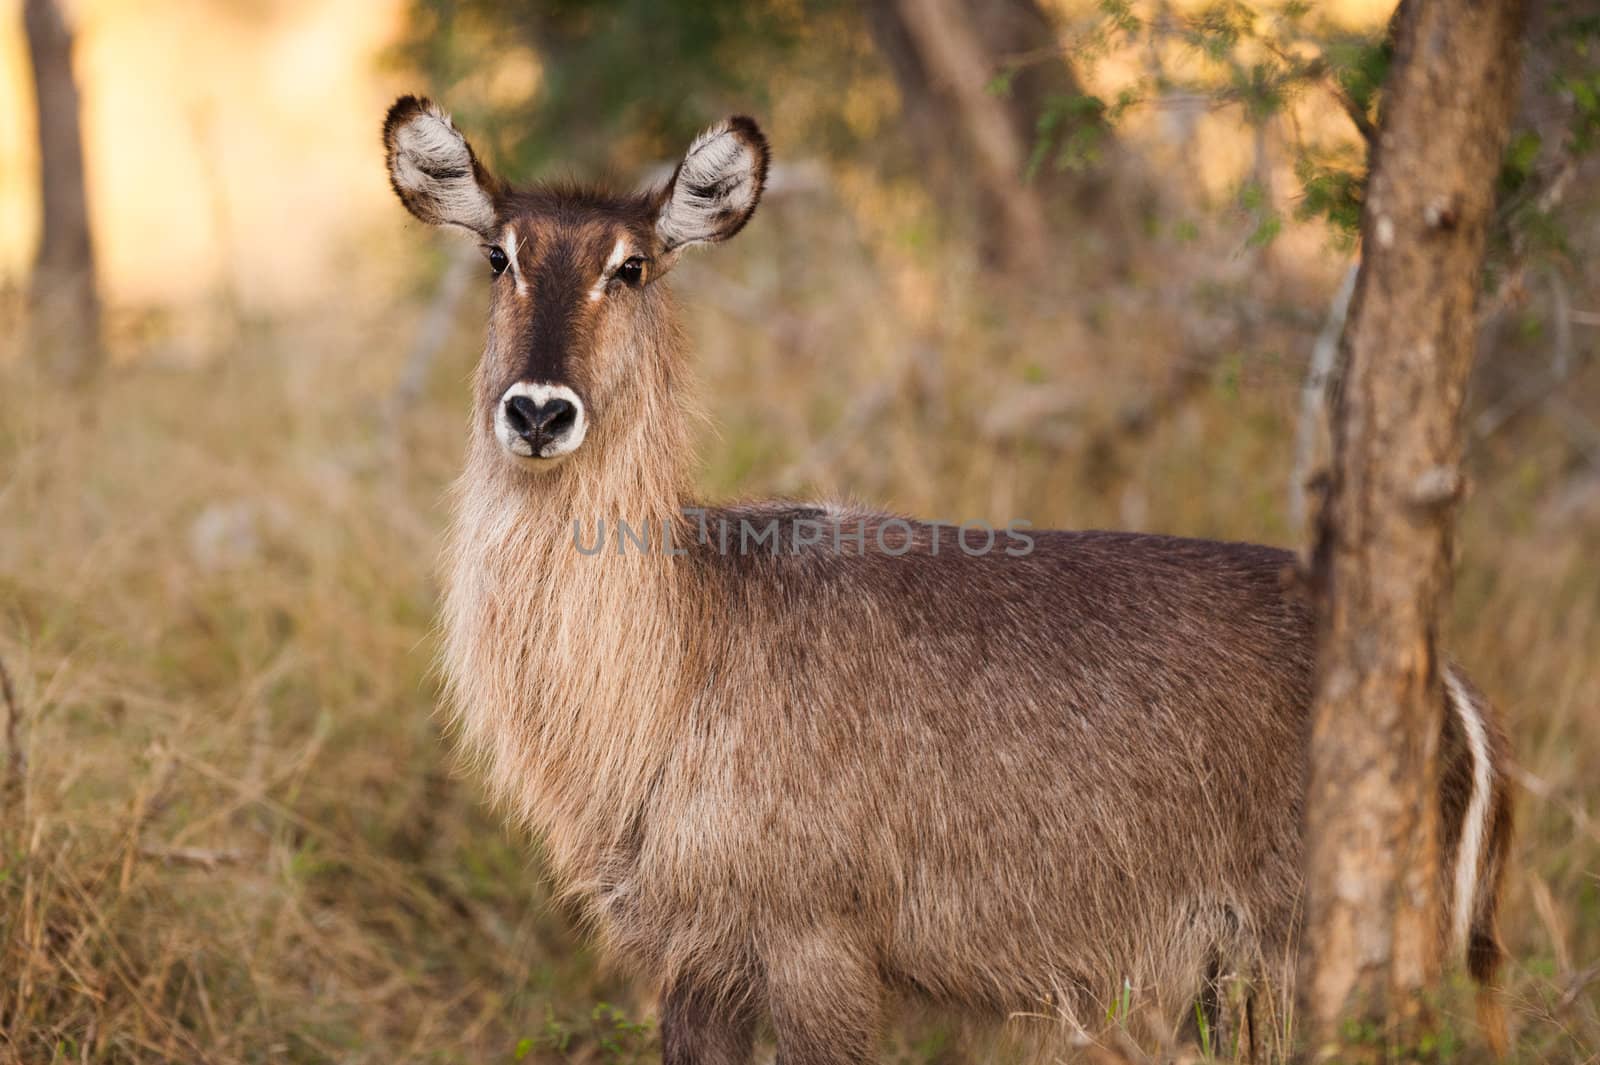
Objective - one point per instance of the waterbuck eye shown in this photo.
(498, 261)
(631, 272)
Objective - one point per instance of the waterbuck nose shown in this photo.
(538, 422)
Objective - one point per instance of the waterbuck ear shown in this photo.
(715, 189)
(433, 169)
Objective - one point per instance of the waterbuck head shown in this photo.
(577, 322)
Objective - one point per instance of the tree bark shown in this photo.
(1371, 949)
(64, 308)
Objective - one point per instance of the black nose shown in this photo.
(540, 423)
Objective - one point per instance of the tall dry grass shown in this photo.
(238, 835)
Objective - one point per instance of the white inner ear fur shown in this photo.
(428, 146)
(718, 161)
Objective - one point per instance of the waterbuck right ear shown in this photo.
(433, 168)
(715, 189)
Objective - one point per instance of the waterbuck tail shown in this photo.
(1482, 842)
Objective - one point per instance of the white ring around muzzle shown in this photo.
(552, 450)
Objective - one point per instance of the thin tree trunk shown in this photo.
(1104, 193)
(951, 57)
(1018, 35)
(1371, 951)
(1313, 434)
(64, 309)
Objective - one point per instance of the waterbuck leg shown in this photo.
(1207, 1024)
(1248, 1051)
(826, 1001)
(1226, 1007)
(702, 1029)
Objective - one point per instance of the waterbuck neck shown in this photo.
(534, 628)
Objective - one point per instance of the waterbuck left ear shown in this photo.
(715, 189)
(433, 168)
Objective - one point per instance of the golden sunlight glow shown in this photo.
(230, 146)
(233, 146)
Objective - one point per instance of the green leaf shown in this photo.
(1266, 231)
(1332, 190)
(1000, 84)
(1517, 165)
(1120, 14)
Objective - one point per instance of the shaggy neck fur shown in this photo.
(567, 671)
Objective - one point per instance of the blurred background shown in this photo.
(1072, 261)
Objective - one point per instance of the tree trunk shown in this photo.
(1018, 35)
(1371, 949)
(64, 310)
(944, 64)
(955, 59)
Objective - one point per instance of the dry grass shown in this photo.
(238, 836)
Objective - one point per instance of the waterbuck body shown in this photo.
(798, 762)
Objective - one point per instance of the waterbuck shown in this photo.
(797, 763)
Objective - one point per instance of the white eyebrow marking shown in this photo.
(619, 254)
(511, 249)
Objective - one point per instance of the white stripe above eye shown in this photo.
(511, 249)
(619, 255)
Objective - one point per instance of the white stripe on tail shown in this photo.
(1475, 822)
